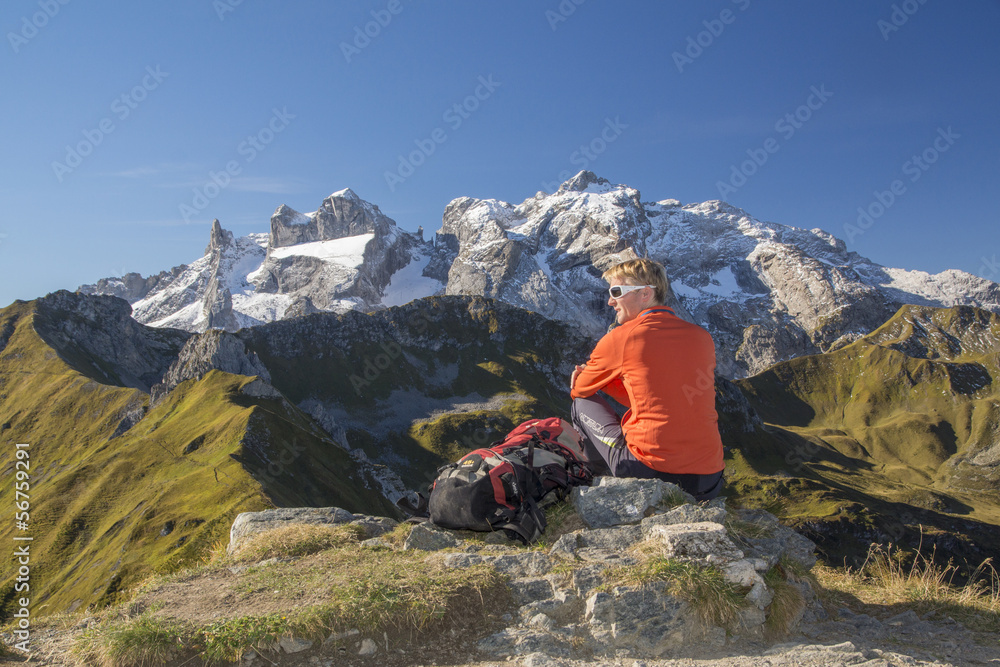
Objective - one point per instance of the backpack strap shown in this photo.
(529, 523)
(531, 466)
(414, 504)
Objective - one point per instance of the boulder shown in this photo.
(428, 537)
(779, 541)
(614, 501)
(645, 619)
(703, 541)
(249, 524)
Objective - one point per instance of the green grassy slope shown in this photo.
(105, 512)
(895, 431)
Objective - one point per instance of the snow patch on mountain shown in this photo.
(410, 283)
(347, 252)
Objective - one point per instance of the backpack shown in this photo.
(503, 487)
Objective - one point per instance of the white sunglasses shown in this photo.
(618, 291)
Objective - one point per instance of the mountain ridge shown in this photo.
(767, 292)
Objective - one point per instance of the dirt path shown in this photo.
(856, 640)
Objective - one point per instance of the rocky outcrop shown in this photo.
(326, 278)
(97, 336)
(342, 214)
(219, 239)
(217, 307)
(568, 602)
(132, 286)
(249, 524)
(212, 350)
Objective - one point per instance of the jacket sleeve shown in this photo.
(603, 369)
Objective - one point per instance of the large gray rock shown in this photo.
(613, 501)
(704, 541)
(686, 513)
(779, 541)
(428, 537)
(604, 544)
(249, 524)
(645, 619)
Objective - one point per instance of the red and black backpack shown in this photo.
(502, 487)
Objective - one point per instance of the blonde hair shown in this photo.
(641, 272)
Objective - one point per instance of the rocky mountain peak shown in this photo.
(218, 239)
(766, 291)
(346, 193)
(340, 215)
(582, 181)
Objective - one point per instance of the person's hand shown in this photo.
(576, 371)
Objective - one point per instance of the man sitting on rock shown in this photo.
(653, 363)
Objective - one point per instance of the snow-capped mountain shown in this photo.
(341, 257)
(767, 292)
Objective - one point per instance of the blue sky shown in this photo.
(117, 117)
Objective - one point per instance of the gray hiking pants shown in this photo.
(604, 443)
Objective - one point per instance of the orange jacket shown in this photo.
(663, 369)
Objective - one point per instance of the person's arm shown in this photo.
(616, 390)
(601, 370)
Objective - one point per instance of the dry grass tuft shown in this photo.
(293, 542)
(143, 641)
(891, 576)
(716, 601)
(788, 603)
(740, 529)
